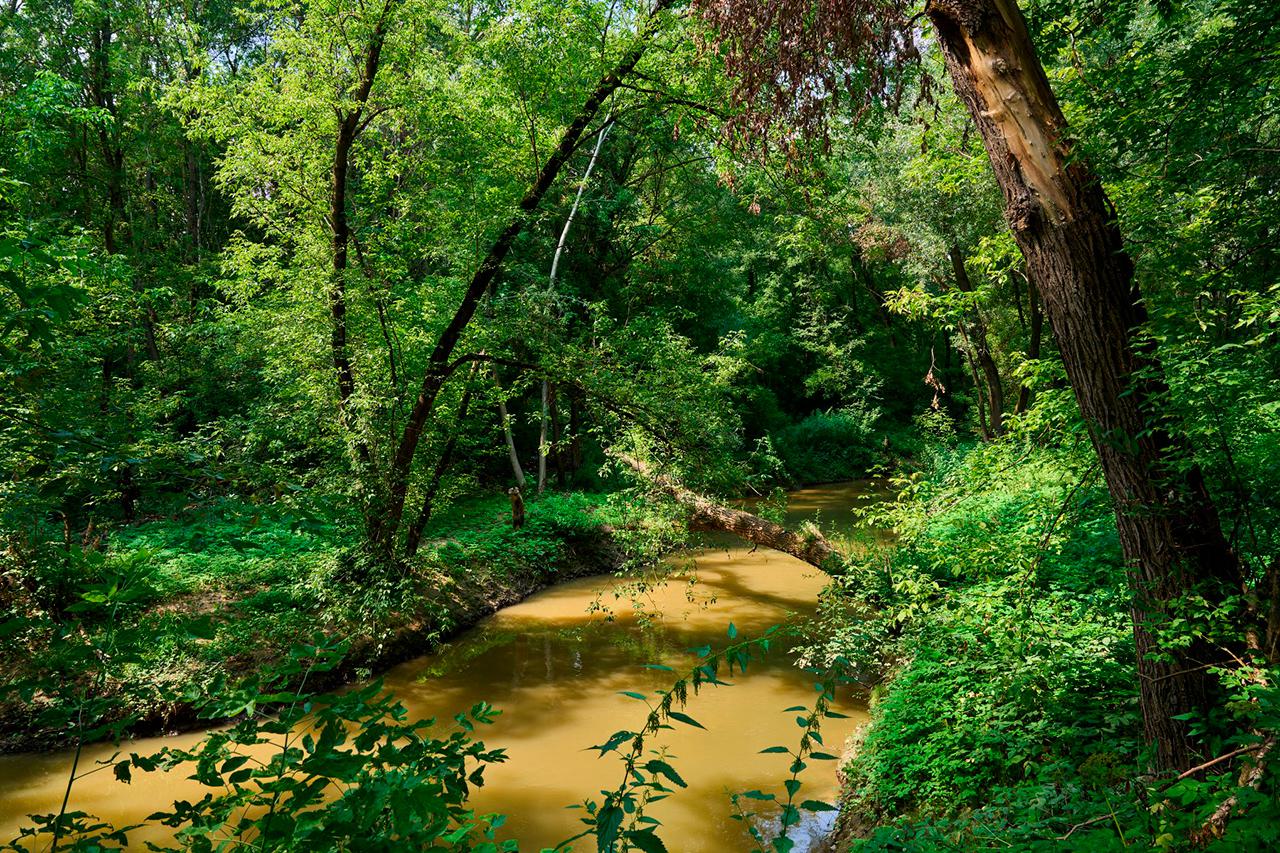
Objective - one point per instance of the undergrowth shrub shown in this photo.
(829, 446)
(1009, 718)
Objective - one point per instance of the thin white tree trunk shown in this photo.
(577, 200)
(542, 441)
(551, 287)
(511, 442)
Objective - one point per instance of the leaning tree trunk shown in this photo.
(1065, 227)
(440, 363)
(516, 471)
(551, 285)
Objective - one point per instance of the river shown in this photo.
(555, 665)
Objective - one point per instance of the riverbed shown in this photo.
(555, 665)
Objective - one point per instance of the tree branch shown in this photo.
(707, 515)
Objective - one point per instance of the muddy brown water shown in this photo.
(555, 665)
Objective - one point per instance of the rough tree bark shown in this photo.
(1066, 229)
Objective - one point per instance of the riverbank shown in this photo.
(1004, 710)
(224, 593)
(563, 667)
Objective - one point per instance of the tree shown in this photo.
(1065, 227)
(385, 520)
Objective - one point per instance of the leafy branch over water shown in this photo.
(619, 822)
(337, 771)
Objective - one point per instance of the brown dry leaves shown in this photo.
(794, 63)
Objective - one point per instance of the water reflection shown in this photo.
(555, 665)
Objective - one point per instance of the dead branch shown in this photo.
(1250, 777)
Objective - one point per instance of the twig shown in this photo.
(1250, 777)
(1221, 758)
(1090, 822)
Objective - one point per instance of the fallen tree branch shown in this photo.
(707, 515)
(1221, 758)
(1250, 777)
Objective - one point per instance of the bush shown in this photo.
(829, 446)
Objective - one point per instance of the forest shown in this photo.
(467, 424)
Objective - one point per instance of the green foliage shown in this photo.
(232, 587)
(343, 771)
(827, 447)
(1009, 717)
(183, 497)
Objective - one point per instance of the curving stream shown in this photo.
(554, 665)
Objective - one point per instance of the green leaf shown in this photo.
(202, 628)
(818, 806)
(685, 718)
(657, 766)
(645, 840)
(778, 749)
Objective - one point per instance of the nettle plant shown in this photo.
(352, 771)
(343, 771)
(619, 823)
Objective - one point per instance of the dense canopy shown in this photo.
(330, 326)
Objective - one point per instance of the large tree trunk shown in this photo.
(1065, 227)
